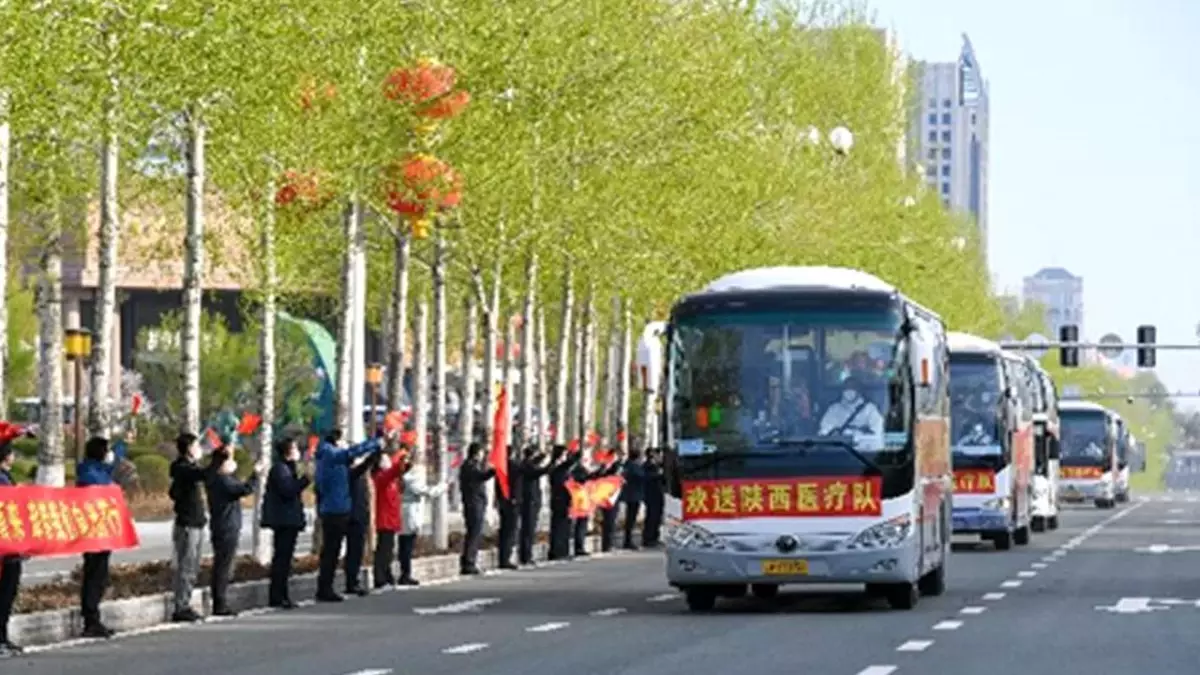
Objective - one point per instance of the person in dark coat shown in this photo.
(96, 469)
(510, 510)
(633, 491)
(334, 504)
(283, 514)
(561, 465)
(10, 566)
(187, 534)
(360, 521)
(473, 476)
(653, 489)
(386, 476)
(581, 474)
(613, 466)
(534, 465)
(225, 493)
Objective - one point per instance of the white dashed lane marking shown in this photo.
(547, 627)
(372, 671)
(878, 670)
(993, 596)
(973, 610)
(1011, 583)
(469, 648)
(665, 597)
(915, 646)
(948, 625)
(609, 611)
(1027, 574)
(1039, 566)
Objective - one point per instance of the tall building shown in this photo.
(950, 133)
(1061, 293)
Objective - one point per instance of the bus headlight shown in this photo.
(887, 534)
(998, 504)
(681, 534)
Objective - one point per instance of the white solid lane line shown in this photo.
(877, 670)
(948, 625)
(469, 648)
(915, 646)
(547, 627)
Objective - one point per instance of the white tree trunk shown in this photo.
(51, 456)
(345, 355)
(466, 419)
(358, 360)
(506, 363)
(491, 364)
(624, 377)
(441, 506)
(5, 150)
(398, 328)
(528, 434)
(562, 376)
(420, 392)
(543, 393)
(99, 406)
(193, 274)
(611, 355)
(587, 396)
(578, 377)
(266, 371)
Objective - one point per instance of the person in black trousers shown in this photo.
(608, 515)
(335, 503)
(225, 494)
(581, 474)
(283, 514)
(533, 467)
(654, 496)
(359, 523)
(561, 465)
(632, 493)
(510, 510)
(10, 566)
(473, 476)
(96, 469)
(187, 534)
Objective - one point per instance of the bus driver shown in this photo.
(856, 416)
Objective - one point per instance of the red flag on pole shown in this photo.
(500, 436)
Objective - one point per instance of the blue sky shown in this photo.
(1095, 150)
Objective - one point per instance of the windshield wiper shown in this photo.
(829, 442)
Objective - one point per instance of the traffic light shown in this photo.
(1146, 336)
(1068, 357)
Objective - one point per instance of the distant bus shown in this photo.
(1089, 453)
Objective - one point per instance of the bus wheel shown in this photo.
(934, 583)
(764, 591)
(700, 599)
(902, 596)
(1052, 523)
(1002, 540)
(1021, 535)
(1038, 524)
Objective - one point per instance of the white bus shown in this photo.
(1089, 453)
(1046, 434)
(1125, 442)
(806, 438)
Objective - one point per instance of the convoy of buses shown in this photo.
(822, 427)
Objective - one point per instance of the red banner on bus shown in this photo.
(45, 521)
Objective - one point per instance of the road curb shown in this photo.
(138, 614)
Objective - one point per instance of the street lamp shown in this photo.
(374, 377)
(78, 346)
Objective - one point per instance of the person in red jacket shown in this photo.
(387, 475)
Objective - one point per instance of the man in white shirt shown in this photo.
(855, 416)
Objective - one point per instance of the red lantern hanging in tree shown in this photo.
(419, 185)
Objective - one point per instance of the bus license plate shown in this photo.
(784, 568)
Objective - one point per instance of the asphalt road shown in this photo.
(1032, 610)
(155, 540)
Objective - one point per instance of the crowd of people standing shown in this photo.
(345, 478)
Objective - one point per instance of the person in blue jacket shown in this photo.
(334, 506)
(10, 566)
(96, 469)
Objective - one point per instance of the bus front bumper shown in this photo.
(1084, 491)
(696, 566)
(979, 520)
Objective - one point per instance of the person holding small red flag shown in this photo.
(562, 463)
(611, 464)
(386, 476)
(415, 492)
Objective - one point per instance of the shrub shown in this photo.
(26, 447)
(24, 469)
(154, 473)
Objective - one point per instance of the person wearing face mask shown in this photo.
(633, 492)
(655, 497)
(96, 469)
(10, 566)
(187, 535)
(415, 492)
(283, 514)
(386, 477)
(225, 493)
(853, 415)
(534, 465)
(335, 504)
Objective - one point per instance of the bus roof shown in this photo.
(1081, 406)
(964, 343)
(776, 278)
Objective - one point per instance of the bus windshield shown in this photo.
(801, 392)
(1084, 438)
(975, 404)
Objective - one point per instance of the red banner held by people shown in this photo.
(44, 521)
(500, 440)
(598, 493)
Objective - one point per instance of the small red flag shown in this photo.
(9, 431)
(393, 421)
(500, 437)
(313, 442)
(249, 424)
(135, 406)
(214, 441)
(573, 445)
